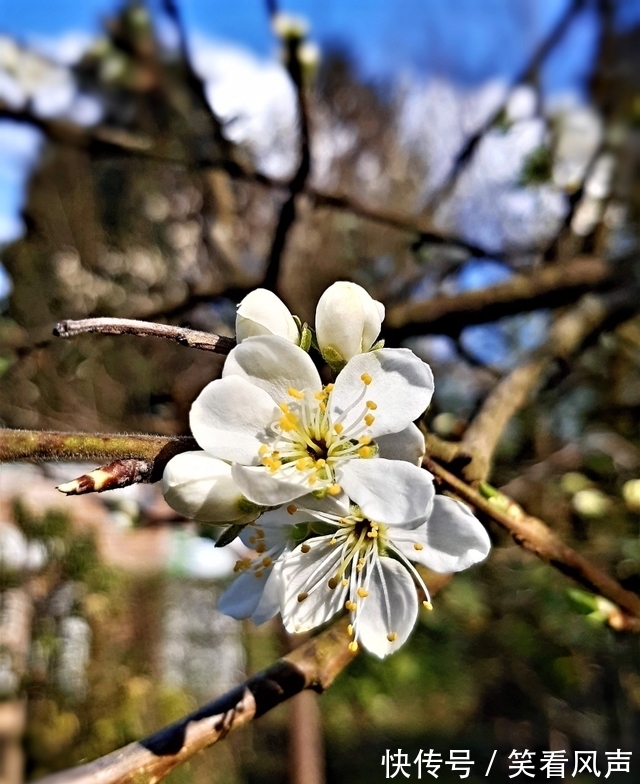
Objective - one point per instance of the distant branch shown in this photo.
(115, 326)
(313, 665)
(449, 314)
(534, 536)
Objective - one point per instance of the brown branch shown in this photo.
(116, 326)
(120, 473)
(568, 334)
(39, 446)
(551, 286)
(537, 538)
(313, 665)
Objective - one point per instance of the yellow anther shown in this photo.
(360, 561)
(263, 450)
(312, 478)
(418, 546)
(283, 407)
(369, 420)
(338, 428)
(363, 593)
(350, 630)
(302, 596)
(329, 388)
(321, 463)
(359, 567)
(427, 605)
(295, 393)
(353, 646)
(392, 636)
(286, 424)
(322, 406)
(371, 405)
(292, 509)
(345, 582)
(365, 440)
(305, 548)
(333, 540)
(372, 534)
(261, 547)
(266, 562)
(275, 465)
(351, 606)
(366, 378)
(334, 489)
(365, 451)
(302, 463)
(333, 583)
(320, 395)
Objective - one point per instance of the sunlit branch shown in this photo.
(313, 665)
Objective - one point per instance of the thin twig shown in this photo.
(192, 338)
(536, 537)
(313, 665)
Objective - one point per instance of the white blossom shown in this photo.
(263, 313)
(348, 321)
(287, 435)
(201, 487)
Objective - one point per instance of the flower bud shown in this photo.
(263, 313)
(348, 322)
(201, 487)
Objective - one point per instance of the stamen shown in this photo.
(392, 636)
(329, 388)
(259, 533)
(260, 548)
(366, 378)
(418, 546)
(363, 593)
(345, 582)
(302, 596)
(305, 548)
(295, 393)
(292, 509)
(283, 407)
(353, 646)
(334, 489)
(333, 583)
(266, 562)
(427, 605)
(371, 405)
(338, 428)
(365, 440)
(263, 450)
(349, 605)
(365, 451)
(369, 419)
(350, 630)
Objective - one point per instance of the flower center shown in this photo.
(309, 439)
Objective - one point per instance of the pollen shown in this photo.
(350, 630)
(321, 463)
(351, 606)
(312, 478)
(345, 582)
(252, 540)
(365, 451)
(292, 509)
(283, 407)
(363, 593)
(333, 583)
(305, 548)
(334, 489)
(333, 540)
(353, 646)
(366, 378)
(260, 548)
(263, 450)
(369, 419)
(258, 573)
(320, 395)
(371, 405)
(266, 562)
(295, 393)
(427, 605)
(392, 636)
(418, 546)
(302, 596)
(302, 463)
(259, 533)
(365, 440)
(338, 428)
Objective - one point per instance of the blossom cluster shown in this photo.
(322, 482)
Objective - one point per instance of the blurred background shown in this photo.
(159, 161)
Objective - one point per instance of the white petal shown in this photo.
(300, 574)
(273, 364)
(263, 313)
(230, 417)
(387, 491)
(401, 386)
(391, 607)
(269, 604)
(407, 445)
(348, 319)
(201, 487)
(452, 539)
(275, 537)
(242, 597)
(283, 486)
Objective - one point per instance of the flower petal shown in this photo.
(387, 491)
(401, 387)
(256, 482)
(262, 312)
(452, 539)
(273, 364)
(243, 597)
(390, 608)
(306, 600)
(407, 445)
(348, 319)
(230, 417)
(201, 487)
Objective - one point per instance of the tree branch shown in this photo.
(549, 287)
(116, 326)
(536, 537)
(313, 665)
